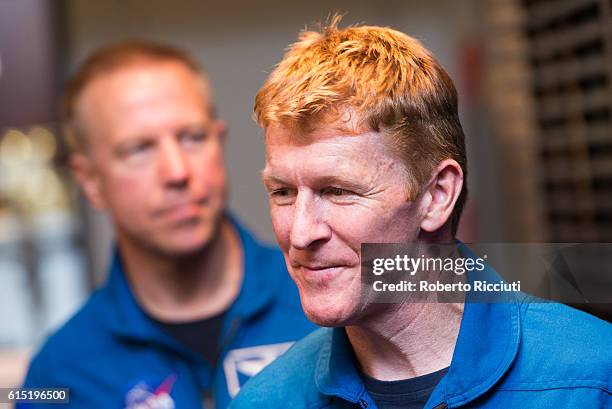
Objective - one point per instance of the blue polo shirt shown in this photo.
(112, 355)
(512, 354)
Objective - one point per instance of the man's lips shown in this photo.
(319, 275)
(319, 270)
(181, 210)
(316, 266)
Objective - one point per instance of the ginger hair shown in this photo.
(386, 79)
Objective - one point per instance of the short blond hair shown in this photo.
(387, 78)
(107, 59)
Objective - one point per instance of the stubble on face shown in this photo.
(343, 190)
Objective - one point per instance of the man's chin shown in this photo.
(182, 246)
(332, 316)
(185, 252)
(188, 241)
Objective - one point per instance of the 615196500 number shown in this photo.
(33, 395)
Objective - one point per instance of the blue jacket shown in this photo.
(517, 354)
(111, 355)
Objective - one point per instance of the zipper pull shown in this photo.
(363, 403)
(442, 405)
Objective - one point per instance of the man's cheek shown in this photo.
(355, 226)
(385, 224)
(129, 199)
(211, 172)
(281, 224)
(136, 184)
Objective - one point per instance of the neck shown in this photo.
(186, 288)
(409, 341)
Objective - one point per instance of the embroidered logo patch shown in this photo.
(241, 364)
(143, 396)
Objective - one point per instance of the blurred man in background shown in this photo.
(194, 305)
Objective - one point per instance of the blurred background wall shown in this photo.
(239, 44)
(533, 78)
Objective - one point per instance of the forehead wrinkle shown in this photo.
(345, 164)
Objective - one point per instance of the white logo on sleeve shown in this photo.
(241, 364)
(143, 396)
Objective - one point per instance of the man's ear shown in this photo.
(443, 190)
(84, 171)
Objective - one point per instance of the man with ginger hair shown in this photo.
(364, 145)
(194, 305)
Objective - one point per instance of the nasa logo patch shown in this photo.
(143, 396)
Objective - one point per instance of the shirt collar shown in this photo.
(129, 320)
(258, 286)
(488, 341)
(335, 373)
(486, 346)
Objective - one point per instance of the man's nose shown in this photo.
(309, 226)
(173, 165)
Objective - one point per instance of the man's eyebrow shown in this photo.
(322, 181)
(267, 178)
(341, 181)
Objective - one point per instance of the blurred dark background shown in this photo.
(535, 100)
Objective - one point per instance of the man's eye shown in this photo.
(282, 196)
(192, 137)
(136, 149)
(335, 191)
(285, 192)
